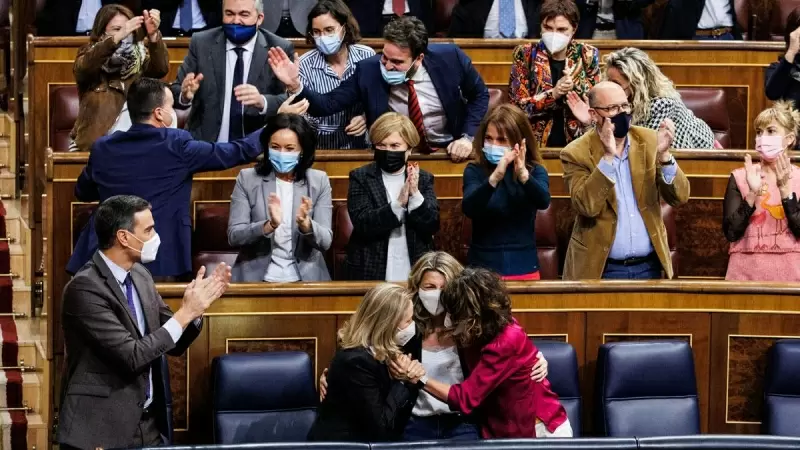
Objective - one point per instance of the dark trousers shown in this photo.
(453, 427)
(146, 435)
(648, 270)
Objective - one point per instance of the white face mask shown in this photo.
(174, 123)
(149, 249)
(430, 300)
(404, 335)
(555, 42)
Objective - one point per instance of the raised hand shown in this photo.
(753, 174)
(287, 107)
(564, 85)
(500, 170)
(190, 85)
(520, 171)
(130, 26)
(357, 126)
(783, 175)
(286, 70)
(606, 133)
(222, 273)
(412, 178)
(248, 95)
(794, 46)
(304, 215)
(665, 138)
(275, 211)
(201, 293)
(152, 20)
(579, 108)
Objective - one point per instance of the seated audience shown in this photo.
(549, 78)
(281, 209)
(392, 206)
(617, 175)
(503, 190)
(495, 19)
(156, 162)
(432, 419)
(704, 20)
(436, 86)
(227, 98)
(185, 17)
(653, 98)
(334, 32)
(117, 54)
(287, 18)
(364, 402)
(612, 19)
(70, 18)
(373, 15)
(782, 80)
(499, 356)
(761, 215)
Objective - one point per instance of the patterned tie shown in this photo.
(129, 296)
(399, 7)
(186, 16)
(415, 114)
(235, 130)
(508, 18)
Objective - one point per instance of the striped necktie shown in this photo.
(415, 114)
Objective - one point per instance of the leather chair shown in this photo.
(210, 237)
(263, 397)
(516, 444)
(342, 229)
(710, 105)
(646, 389)
(782, 389)
(497, 97)
(442, 12)
(668, 216)
(63, 113)
(563, 365)
(719, 442)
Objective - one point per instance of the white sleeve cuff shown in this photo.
(398, 210)
(174, 328)
(182, 102)
(266, 105)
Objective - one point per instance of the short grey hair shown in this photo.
(257, 4)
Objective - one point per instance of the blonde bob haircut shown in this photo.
(375, 322)
(784, 114)
(440, 262)
(390, 122)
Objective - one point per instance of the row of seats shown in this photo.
(642, 389)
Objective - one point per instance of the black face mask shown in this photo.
(622, 123)
(389, 161)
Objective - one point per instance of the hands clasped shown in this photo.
(403, 368)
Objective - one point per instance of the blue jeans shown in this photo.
(648, 270)
(722, 37)
(453, 427)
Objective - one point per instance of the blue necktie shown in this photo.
(235, 130)
(186, 16)
(508, 18)
(129, 295)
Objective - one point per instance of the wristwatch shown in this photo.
(423, 380)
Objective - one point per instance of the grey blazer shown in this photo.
(299, 9)
(108, 359)
(249, 214)
(207, 56)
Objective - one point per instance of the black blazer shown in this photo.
(373, 222)
(60, 17)
(369, 14)
(211, 9)
(469, 18)
(682, 16)
(364, 404)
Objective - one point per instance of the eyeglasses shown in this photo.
(614, 109)
(328, 31)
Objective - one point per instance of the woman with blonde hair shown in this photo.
(503, 190)
(761, 216)
(392, 205)
(654, 98)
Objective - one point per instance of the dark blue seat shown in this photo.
(646, 389)
(782, 389)
(563, 375)
(719, 442)
(517, 444)
(263, 397)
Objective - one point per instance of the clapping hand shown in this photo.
(275, 212)
(190, 85)
(606, 133)
(248, 95)
(412, 178)
(286, 70)
(783, 173)
(521, 172)
(500, 171)
(201, 293)
(754, 176)
(304, 215)
(564, 85)
(130, 26)
(580, 108)
(794, 46)
(665, 138)
(152, 20)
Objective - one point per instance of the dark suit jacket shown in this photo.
(207, 56)
(369, 14)
(157, 165)
(373, 222)
(60, 17)
(364, 404)
(682, 16)
(469, 18)
(211, 9)
(108, 360)
(460, 87)
(627, 18)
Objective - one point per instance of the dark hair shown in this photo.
(114, 214)
(792, 23)
(407, 32)
(553, 8)
(144, 96)
(479, 306)
(306, 136)
(104, 16)
(340, 13)
(514, 124)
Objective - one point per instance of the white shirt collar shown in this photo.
(248, 46)
(119, 273)
(420, 75)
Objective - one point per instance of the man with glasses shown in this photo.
(617, 176)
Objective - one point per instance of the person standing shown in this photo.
(184, 17)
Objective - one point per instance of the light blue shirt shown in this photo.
(198, 21)
(632, 239)
(86, 14)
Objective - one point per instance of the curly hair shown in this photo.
(479, 306)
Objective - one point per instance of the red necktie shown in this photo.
(415, 114)
(399, 7)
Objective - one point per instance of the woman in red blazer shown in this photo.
(499, 357)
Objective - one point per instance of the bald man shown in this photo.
(617, 176)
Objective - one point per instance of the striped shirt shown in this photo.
(317, 75)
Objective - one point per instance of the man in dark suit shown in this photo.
(75, 17)
(287, 18)
(489, 19)
(439, 81)
(117, 329)
(156, 162)
(225, 77)
(701, 20)
(373, 15)
(622, 20)
(184, 17)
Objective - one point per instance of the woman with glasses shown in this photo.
(333, 31)
(654, 98)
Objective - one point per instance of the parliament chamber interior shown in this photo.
(689, 361)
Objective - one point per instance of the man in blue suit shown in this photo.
(155, 161)
(436, 86)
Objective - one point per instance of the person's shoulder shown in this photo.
(142, 271)
(206, 36)
(580, 147)
(474, 169)
(361, 172)
(361, 51)
(273, 40)
(308, 58)
(523, 51)
(587, 49)
(357, 357)
(249, 175)
(510, 340)
(316, 176)
(85, 278)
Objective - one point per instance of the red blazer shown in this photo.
(500, 385)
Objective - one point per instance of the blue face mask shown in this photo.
(239, 34)
(494, 153)
(329, 45)
(283, 162)
(394, 77)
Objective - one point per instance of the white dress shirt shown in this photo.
(398, 263)
(230, 65)
(605, 11)
(387, 7)
(433, 114)
(492, 28)
(282, 267)
(198, 21)
(88, 11)
(716, 14)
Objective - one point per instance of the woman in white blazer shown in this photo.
(280, 217)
